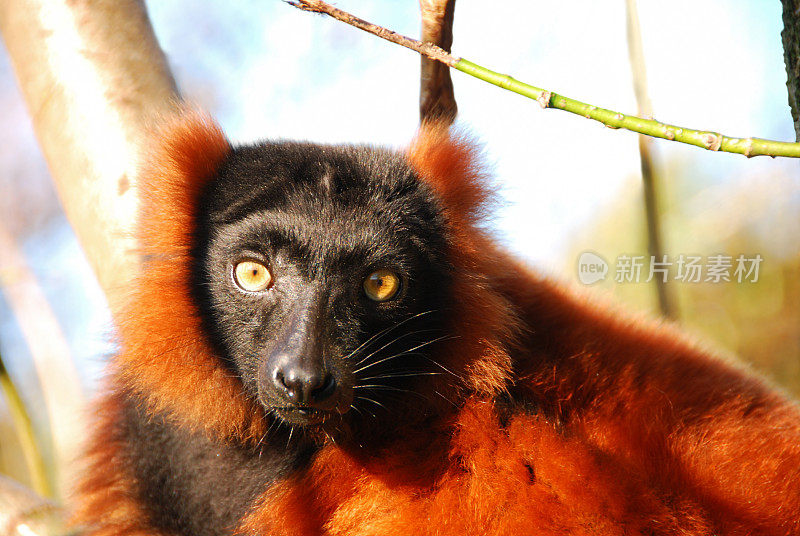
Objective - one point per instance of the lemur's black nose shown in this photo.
(303, 387)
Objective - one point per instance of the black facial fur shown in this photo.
(322, 219)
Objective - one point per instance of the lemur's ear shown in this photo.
(450, 161)
(189, 151)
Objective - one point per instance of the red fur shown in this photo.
(484, 320)
(631, 429)
(164, 354)
(681, 417)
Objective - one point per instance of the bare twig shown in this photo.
(436, 97)
(431, 51)
(713, 141)
(649, 177)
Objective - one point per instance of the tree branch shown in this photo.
(429, 50)
(37, 468)
(791, 57)
(50, 356)
(94, 80)
(666, 301)
(713, 141)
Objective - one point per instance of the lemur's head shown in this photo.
(323, 274)
(310, 284)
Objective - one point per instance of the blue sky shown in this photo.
(269, 70)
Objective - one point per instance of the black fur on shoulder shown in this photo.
(190, 484)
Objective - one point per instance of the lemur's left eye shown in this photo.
(381, 285)
(252, 276)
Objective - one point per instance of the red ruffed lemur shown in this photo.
(325, 340)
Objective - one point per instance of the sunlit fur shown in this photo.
(550, 413)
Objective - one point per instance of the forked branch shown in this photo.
(713, 141)
(437, 100)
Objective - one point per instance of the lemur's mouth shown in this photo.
(300, 415)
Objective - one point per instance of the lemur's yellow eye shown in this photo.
(252, 276)
(381, 285)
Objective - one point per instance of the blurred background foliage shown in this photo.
(265, 69)
(753, 214)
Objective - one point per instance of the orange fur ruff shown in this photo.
(631, 429)
(165, 355)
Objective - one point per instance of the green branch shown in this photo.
(713, 141)
(27, 438)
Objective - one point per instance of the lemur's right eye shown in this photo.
(381, 285)
(252, 276)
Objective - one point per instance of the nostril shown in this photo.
(292, 387)
(280, 381)
(325, 390)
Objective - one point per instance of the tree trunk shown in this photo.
(93, 78)
(436, 97)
